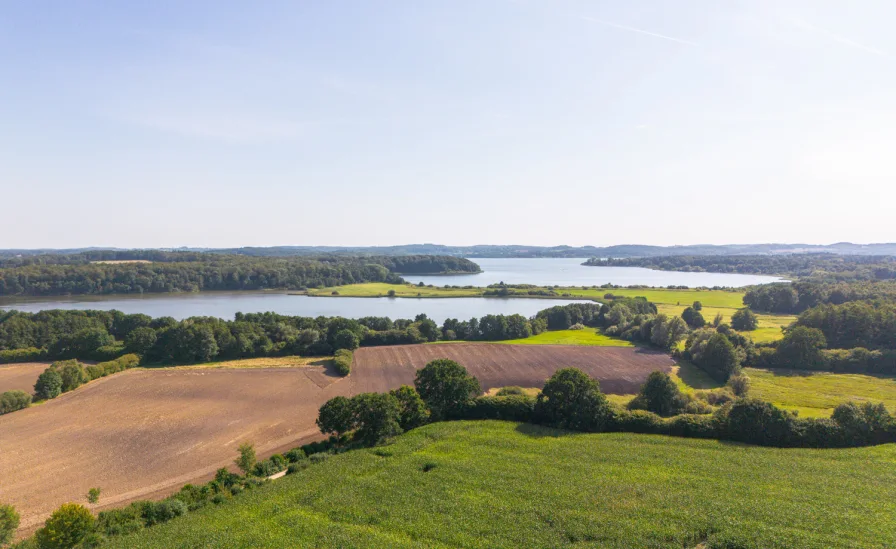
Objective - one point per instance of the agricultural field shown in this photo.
(381, 289)
(619, 369)
(586, 336)
(144, 433)
(20, 377)
(616, 490)
(709, 298)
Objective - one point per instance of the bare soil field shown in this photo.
(21, 376)
(144, 433)
(620, 370)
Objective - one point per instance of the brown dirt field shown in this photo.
(144, 433)
(620, 370)
(20, 376)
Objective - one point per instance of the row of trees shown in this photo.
(822, 267)
(215, 272)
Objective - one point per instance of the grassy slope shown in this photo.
(498, 484)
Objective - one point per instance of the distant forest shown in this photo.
(513, 250)
(821, 267)
(46, 275)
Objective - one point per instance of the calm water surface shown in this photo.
(226, 304)
(571, 272)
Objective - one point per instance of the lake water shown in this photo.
(571, 272)
(226, 304)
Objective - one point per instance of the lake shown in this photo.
(226, 304)
(571, 272)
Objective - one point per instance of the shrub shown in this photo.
(117, 522)
(157, 512)
(49, 384)
(67, 527)
(739, 384)
(509, 391)
(693, 318)
(318, 457)
(28, 354)
(507, 408)
(659, 395)
(10, 401)
(572, 400)
(446, 387)
(269, 467)
(295, 455)
(744, 320)
(342, 360)
(108, 352)
(9, 522)
(93, 495)
(756, 422)
(247, 459)
(72, 373)
(577, 326)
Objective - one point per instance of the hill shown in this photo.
(499, 484)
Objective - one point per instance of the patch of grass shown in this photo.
(587, 336)
(381, 289)
(816, 394)
(614, 490)
(685, 298)
(265, 362)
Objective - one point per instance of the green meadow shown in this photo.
(491, 484)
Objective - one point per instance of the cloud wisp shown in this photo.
(640, 31)
(837, 38)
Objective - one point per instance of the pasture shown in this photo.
(500, 484)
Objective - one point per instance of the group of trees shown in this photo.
(787, 298)
(826, 267)
(636, 319)
(854, 324)
(171, 272)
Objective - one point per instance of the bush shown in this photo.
(10, 401)
(48, 385)
(744, 320)
(510, 390)
(269, 467)
(246, 461)
(412, 409)
(157, 512)
(659, 395)
(739, 384)
(577, 326)
(693, 318)
(118, 522)
(108, 352)
(295, 455)
(343, 361)
(756, 422)
(28, 354)
(72, 373)
(507, 408)
(572, 400)
(9, 522)
(67, 527)
(346, 339)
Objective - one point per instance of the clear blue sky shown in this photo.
(170, 123)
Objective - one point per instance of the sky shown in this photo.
(541, 122)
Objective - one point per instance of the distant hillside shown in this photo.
(519, 250)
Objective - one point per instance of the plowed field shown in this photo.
(144, 433)
(20, 377)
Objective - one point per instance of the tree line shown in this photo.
(821, 267)
(192, 272)
(786, 298)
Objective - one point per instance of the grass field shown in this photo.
(587, 336)
(381, 289)
(816, 394)
(594, 491)
(709, 298)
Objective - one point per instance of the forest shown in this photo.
(47, 275)
(821, 267)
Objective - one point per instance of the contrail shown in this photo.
(640, 31)
(837, 38)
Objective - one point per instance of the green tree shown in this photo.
(659, 395)
(377, 416)
(667, 331)
(572, 400)
(49, 384)
(346, 339)
(336, 416)
(801, 348)
(720, 358)
(413, 412)
(93, 495)
(697, 306)
(744, 320)
(72, 374)
(446, 387)
(247, 458)
(9, 522)
(141, 340)
(693, 318)
(66, 528)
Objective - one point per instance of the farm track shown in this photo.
(142, 434)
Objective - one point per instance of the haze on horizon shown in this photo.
(224, 124)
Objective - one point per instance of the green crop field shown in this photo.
(500, 484)
(586, 336)
(816, 394)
